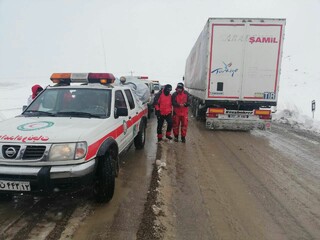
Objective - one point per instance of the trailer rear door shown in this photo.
(226, 61)
(262, 62)
(245, 58)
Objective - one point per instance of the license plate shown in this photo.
(238, 116)
(14, 186)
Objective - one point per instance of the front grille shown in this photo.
(10, 151)
(33, 152)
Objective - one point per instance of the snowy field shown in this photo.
(298, 87)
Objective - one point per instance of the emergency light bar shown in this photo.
(67, 78)
(103, 78)
(61, 78)
(79, 77)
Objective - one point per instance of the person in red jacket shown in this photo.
(36, 89)
(180, 102)
(163, 110)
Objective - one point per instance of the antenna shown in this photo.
(103, 49)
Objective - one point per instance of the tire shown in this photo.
(194, 107)
(197, 111)
(105, 183)
(140, 139)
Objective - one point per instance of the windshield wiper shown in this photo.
(79, 114)
(42, 113)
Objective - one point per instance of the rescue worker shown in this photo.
(180, 102)
(36, 89)
(163, 111)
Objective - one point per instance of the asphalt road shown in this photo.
(217, 185)
(76, 215)
(241, 185)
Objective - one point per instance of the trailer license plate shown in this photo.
(14, 186)
(238, 116)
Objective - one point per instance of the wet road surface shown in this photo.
(241, 185)
(77, 216)
(218, 185)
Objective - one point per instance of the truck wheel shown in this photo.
(115, 162)
(197, 111)
(140, 139)
(105, 183)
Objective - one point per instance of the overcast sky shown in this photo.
(153, 38)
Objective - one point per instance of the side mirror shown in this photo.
(24, 107)
(121, 112)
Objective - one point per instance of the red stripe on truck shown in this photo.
(94, 147)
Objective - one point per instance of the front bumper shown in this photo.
(49, 179)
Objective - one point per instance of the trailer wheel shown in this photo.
(105, 183)
(197, 111)
(194, 106)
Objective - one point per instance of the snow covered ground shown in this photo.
(298, 87)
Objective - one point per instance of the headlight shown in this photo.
(67, 151)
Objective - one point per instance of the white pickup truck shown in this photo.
(70, 137)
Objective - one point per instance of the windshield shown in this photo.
(156, 86)
(71, 102)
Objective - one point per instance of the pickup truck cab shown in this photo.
(70, 137)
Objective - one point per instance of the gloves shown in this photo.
(157, 112)
(186, 104)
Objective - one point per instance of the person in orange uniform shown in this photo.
(180, 102)
(163, 111)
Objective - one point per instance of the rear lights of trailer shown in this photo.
(67, 78)
(213, 112)
(263, 114)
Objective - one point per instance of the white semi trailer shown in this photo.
(233, 72)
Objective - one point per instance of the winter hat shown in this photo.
(180, 85)
(168, 87)
(35, 90)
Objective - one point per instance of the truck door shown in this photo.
(133, 116)
(262, 61)
(226, 60)
(120, 102)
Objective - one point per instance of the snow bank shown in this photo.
(295, 119)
